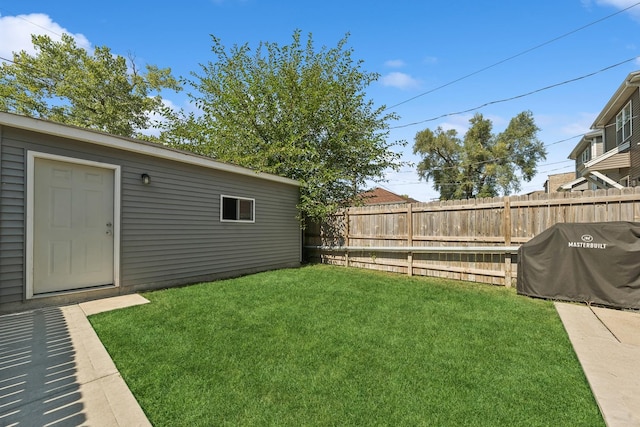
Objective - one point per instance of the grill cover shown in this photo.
(585, 262)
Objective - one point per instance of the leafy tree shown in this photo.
(481, 164)
(63, 83)
(292, 111)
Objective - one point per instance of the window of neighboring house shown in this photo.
(623, 124)
(237, 209)
(586, 155)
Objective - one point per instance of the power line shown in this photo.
(543, 171)
(517, 96)
(32, 72)
(556, 169)
(15, 15)
(506, 157)
(557, 163)
(497, 159)
(564, 140)
(513, 56)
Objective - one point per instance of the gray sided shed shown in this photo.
(169, 232)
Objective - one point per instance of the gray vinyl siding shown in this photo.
(610, 127)
(171, 229)
(634, 170)
(12, 223)
(171, 233)
(610, 135)
(617, 161)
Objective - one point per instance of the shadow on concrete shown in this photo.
(38, 373)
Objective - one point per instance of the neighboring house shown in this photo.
(609, 155)
(86, 215)
(380, 196)
(554, 182)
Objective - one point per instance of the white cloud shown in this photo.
(580, 124)
(586, 4)
(618, 4)
(395, 63)
(459, 123)
(566, 125)
(157, 118)
(16, 31)
(400, 81)
(430, 60)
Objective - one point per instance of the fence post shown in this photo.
(409, 238)
(507, 221)
(507, 240)
(346, 237)
(507, 270)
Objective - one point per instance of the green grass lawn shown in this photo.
(333, 346)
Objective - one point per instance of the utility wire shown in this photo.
(15, 15)
(32, 72)
(494, 160)
(513, 56)
(517, 96)
(507, 157)
(466, 76)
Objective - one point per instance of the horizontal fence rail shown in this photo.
(474, 240)
(422, 249)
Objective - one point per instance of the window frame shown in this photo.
(238, 210)
(622, 119)
(586, 154)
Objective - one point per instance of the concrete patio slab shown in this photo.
(113, 303)
(605, 342)
(55, 371)
(624, 325)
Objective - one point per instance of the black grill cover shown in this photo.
(586, 262)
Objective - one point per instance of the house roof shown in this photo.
(584, 142)
(380, 196)
(130, 144)
(569, 185)
(556, 181)
(617, 101)
(612, 107)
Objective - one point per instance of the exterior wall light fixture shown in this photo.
(146, 179)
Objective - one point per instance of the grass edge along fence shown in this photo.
(473, 240)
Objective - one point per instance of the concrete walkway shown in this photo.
(55, 371)
(607, 343)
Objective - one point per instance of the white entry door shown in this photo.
(73, 218)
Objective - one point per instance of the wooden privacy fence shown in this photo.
(475, 240)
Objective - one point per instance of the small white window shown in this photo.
(237, 209)
(623, 124)
(586, 155)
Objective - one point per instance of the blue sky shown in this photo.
(416, 47)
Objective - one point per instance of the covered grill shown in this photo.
(586, 262)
